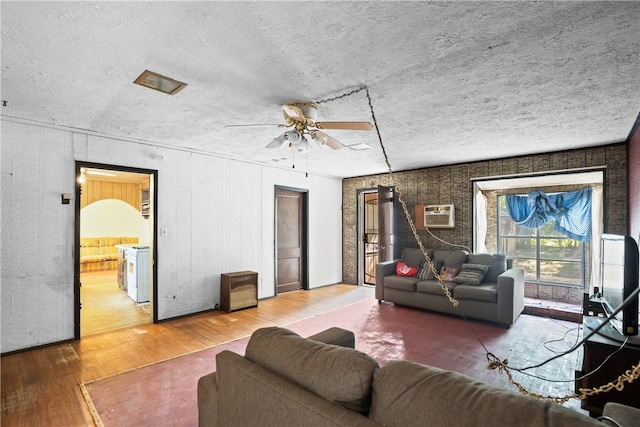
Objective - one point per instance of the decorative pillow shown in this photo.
(453, 258)
(425, 272)
(497, 265)
(471, 274)
(403, 269)
(448, 273)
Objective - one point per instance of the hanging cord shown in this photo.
(494, 362)
(445, 242)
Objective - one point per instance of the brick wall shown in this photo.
(452, 184)
(634, 182)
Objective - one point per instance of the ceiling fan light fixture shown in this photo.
(294, 137)
(289, 138)
(159, 82)
(303, 146)
(278, 142)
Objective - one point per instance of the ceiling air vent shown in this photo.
(158, 82)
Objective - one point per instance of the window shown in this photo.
(546, 255)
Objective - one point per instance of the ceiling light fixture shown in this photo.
(292, 139)
(95, 172)
(158, 82)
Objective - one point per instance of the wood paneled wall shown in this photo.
(95, 189)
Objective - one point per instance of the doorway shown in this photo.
(115, 272)
(375, 231)
(291, 239)
(368, 241)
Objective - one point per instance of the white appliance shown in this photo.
(439, 216)
(138, 266)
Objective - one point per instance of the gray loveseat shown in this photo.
(499, 297)
(287, 380)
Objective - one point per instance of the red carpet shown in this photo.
(164, 394)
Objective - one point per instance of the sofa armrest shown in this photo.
(384, 269)
(336, 336)
(617, 414)
(208, 400)
(510, 295)
(252, 395)
(208, 384)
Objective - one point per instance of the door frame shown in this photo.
(360, 231)
(304, 193)
(153, 185)
(390, 222)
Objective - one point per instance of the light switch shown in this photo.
(66, 198)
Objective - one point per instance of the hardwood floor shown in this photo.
(105, 306)
(41, 387)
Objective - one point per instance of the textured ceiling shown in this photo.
(450, 81)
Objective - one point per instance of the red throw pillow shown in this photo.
(403, 269)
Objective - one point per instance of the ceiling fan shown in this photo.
(301, 117)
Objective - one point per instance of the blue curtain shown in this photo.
(571, 211)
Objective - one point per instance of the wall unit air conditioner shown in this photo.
(435, 216)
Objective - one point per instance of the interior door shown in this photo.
(369, 236)
(290, 240)
(385, 223)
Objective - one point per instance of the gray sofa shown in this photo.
(498, 298)
(287, 380)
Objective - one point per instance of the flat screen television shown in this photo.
(619, 271)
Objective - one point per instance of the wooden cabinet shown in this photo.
(596, 350)
(238, 290)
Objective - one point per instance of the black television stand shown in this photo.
(596, 349)
(608, 331)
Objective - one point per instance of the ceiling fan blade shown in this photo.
(280, 125)
(324, 140)
(344, 125)
(293, 112)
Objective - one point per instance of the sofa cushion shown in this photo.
(471, 274)
(497, 265)
(484, 292)
(433, 287)
(451, 258)
(410, 394)
(402, 283)
(338, 374)
(414, 256)
(403, 269)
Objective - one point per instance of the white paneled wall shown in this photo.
(218, 215)
(37, 277)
